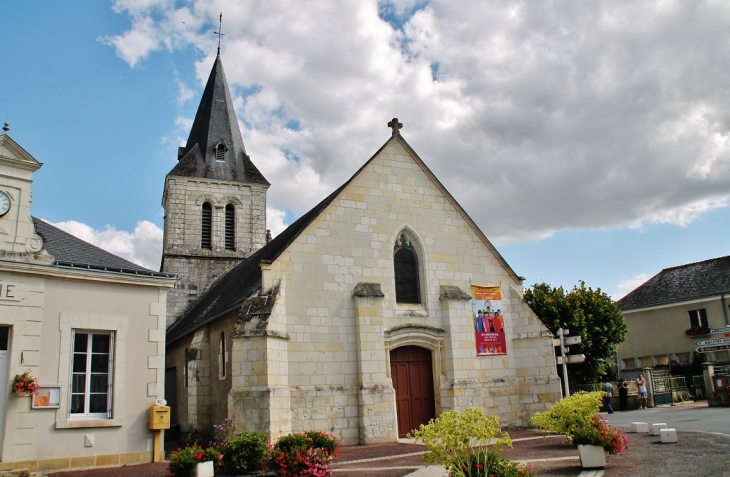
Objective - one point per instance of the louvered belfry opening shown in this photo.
(206, 226)
(230, 227)
(220, 152)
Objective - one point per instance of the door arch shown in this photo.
(412, 374)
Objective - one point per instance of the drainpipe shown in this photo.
(724, 308)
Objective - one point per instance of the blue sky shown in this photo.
(588, 141)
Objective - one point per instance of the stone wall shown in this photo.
(351, 242)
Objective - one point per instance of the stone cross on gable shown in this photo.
(396, 126)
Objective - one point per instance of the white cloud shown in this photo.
(143, 246)
(538, 117)
(627, 285)
(275, 221)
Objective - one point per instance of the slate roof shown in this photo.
(70, 251)
(216, 121)
(682, 283)
(243, 280)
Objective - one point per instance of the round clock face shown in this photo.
(4, 203)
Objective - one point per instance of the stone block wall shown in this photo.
(352, 241)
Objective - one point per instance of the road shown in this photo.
(683, 417)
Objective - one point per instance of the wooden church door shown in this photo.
(412, 374)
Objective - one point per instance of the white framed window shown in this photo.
(698, 318)
(92, 369)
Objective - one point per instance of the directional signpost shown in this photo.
(710, 349)
(708, 346)
(563, 359)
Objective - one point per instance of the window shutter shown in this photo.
(230, 227)
(110, 384)
(207, 217)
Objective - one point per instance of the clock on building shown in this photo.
(4, 203)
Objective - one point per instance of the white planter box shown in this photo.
(592, 457)
(205, 469)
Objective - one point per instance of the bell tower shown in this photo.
(214, 200)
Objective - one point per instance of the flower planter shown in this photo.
(204, 469)
(592, 457)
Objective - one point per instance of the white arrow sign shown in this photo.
(572, 340)
(712, 342)
(717, 331)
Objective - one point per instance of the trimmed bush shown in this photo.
(244, 452)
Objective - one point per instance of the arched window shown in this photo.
(405, 261)
(207, 219)
(230, 227)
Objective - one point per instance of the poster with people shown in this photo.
(488, 321)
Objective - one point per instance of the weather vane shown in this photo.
(219, 32)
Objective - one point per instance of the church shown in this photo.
(360, 319)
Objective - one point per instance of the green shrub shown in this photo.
(244, 452)
(460, 440)
(181, 463)
(570, 414)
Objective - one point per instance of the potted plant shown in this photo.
(576, 417)
(594, 439)
(192, 461)
(24, 384)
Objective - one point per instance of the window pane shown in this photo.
(99, 382)
(78, 383)
(99, 363)
(4, 338)
(100, 344)
(80, 342)
(79, 365)
(406, 277)
(77, 403)
(97, 403)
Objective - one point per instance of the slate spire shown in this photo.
(215, 149)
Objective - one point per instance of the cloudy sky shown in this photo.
(588, 140)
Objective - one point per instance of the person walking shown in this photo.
(623, 394)
(641, 384)
(608, 389)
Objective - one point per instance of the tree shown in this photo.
(589, 313)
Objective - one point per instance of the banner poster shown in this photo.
(488, 321)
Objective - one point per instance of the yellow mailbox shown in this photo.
(159, 418)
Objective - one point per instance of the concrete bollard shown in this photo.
(639, 427)
(657, 427)
(668, 435)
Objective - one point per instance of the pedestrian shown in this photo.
(608, 389)
(623, 394)
(641, 384)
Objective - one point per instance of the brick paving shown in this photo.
(696, 454)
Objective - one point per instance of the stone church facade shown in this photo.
(325, 328)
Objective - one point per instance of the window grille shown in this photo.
(205, 240)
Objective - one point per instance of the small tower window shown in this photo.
(206, 226)
(222, 357)
(405, 261)
(220, 151)
(230, 227)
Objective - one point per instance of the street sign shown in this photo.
(710, 349)
(717, 331)
(559, 359)
(576, 358)
(556, 342)
(715, 341)
(572, 340)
